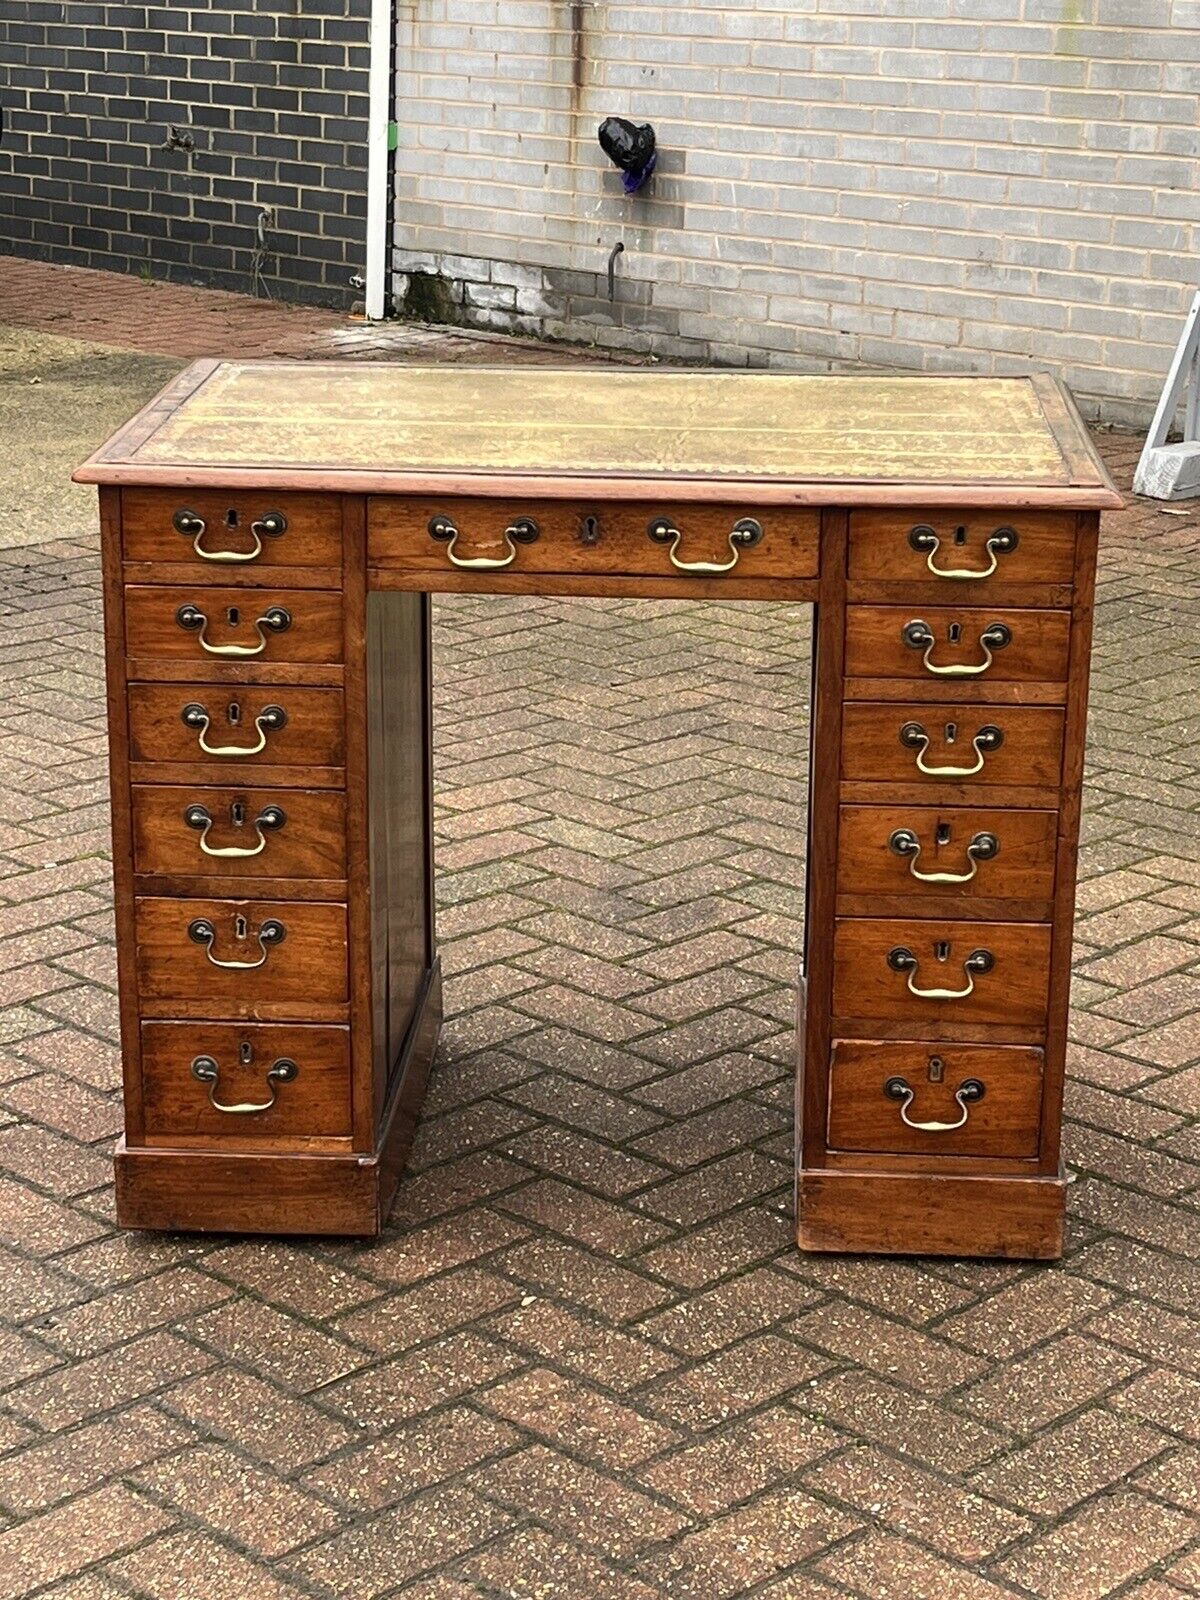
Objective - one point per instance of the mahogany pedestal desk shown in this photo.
(271, 536)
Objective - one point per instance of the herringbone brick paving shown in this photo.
(585, 1360)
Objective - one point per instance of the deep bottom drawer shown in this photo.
(935, 1099)
(245, 1081)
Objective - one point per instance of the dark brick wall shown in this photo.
(272, 97)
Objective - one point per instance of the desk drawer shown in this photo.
(220, 531)
(220, 627)
(952, 744)
(984, 1100)
(912, 850)
(245, 1082)
(264, 725)
(610, 537)
(279, 950)
(190, 830)
(957, 644)
(941, 972)
(987, 549)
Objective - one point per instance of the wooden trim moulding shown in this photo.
(754, 491)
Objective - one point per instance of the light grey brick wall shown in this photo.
(939, 185)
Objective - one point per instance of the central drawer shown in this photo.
(617, 538)
(238, 952)
(941, 972)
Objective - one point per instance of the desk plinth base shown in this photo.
(211, 1191)
(930, 1214)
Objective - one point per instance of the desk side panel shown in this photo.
(829, 644)
(122, 814)
(399, 828)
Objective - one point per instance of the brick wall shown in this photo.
(963, 185)
(271, 98)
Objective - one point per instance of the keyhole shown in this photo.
(589, 531)
(942, 950)
(937, 1068)
(233, 616)
(240, 926)
(960, 535)
(951, 732)
(234, 713)
(955, 633)
(943, 833)
(231, 518)
(237, 813)
(245, 1052)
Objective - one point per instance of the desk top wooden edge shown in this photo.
(140, 453)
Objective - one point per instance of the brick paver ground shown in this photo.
(585, 1361)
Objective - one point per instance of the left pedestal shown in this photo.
(269, 735)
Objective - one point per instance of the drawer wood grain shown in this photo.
(259, 725)
(892, 546)
(578, 537)
(217, 627)
(932, 744)
(239, 1083)
(187, 829)
(906, 850)
(878, 1089)
(939, 971)
(285, 950)
(958, 644)
(155, 528)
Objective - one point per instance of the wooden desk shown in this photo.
(272, 533)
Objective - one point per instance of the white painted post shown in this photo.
(379, 116)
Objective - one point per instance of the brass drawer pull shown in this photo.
(276, 618)
(269, 720)
(744, 533)
(924, 540)
(901, 959)
(918, 635)
(522, 530)
(205, 1070)
(914, 737)
(198, 816)
(194, 527)
(272, 932)
(967, 1093)
(983, 847)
